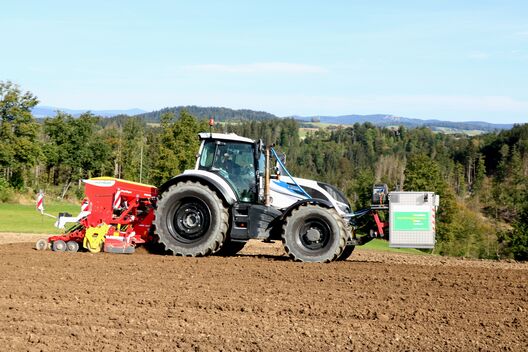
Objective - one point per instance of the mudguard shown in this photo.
(206, 177)
(297, 204)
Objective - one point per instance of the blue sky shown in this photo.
(451, 60)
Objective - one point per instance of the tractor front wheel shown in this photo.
(191, 220)
(314, 234)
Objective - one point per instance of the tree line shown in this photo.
(223, 114)
(482, 180)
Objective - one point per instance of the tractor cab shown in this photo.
(235, 159)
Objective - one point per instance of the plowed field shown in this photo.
(258, 302)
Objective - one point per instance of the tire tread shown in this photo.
(343, 234)
(165, 242)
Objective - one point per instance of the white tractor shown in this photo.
(231, 196)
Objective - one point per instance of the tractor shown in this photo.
(231, 196)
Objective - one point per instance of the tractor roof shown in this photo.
(225, 136)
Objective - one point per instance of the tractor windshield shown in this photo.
(233, 161)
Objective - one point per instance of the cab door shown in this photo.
(234, 162)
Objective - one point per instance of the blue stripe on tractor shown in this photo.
(291, 188)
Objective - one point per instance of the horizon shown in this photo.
(451, 61)
(143, 111)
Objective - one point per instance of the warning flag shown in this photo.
(40, 202)
(85, 205)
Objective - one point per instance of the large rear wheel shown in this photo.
(191, 220)
(314, 234)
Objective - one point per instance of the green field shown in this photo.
(303, 131)
(381, 245)
(26, 219)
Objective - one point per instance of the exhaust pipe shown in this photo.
(267, 198)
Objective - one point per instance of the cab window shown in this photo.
(234, 162)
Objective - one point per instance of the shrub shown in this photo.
(6, 192)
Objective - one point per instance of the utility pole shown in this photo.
(141, 162)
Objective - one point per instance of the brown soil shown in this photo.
(15, 237)
(374, 301)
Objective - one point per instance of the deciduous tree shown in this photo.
(19, 147)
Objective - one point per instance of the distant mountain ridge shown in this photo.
(41, 111)
(227, 114)
(391, 120)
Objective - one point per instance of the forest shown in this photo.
(222, 114)
(482, 180)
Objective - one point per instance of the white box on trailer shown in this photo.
(412, 219)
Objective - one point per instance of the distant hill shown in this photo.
(227, 114)
(41, 111)
(220, 114)
(391, 120)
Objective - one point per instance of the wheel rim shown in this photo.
(41, 245)
(59, 246)
(314, 234)
(190, 220)
(72, 246)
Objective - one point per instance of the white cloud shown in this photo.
(259, 67)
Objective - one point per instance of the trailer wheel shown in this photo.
(41, 244)
(314, 234)
(191, 220)
(347, 252)
(72, 246)
(59, 246)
